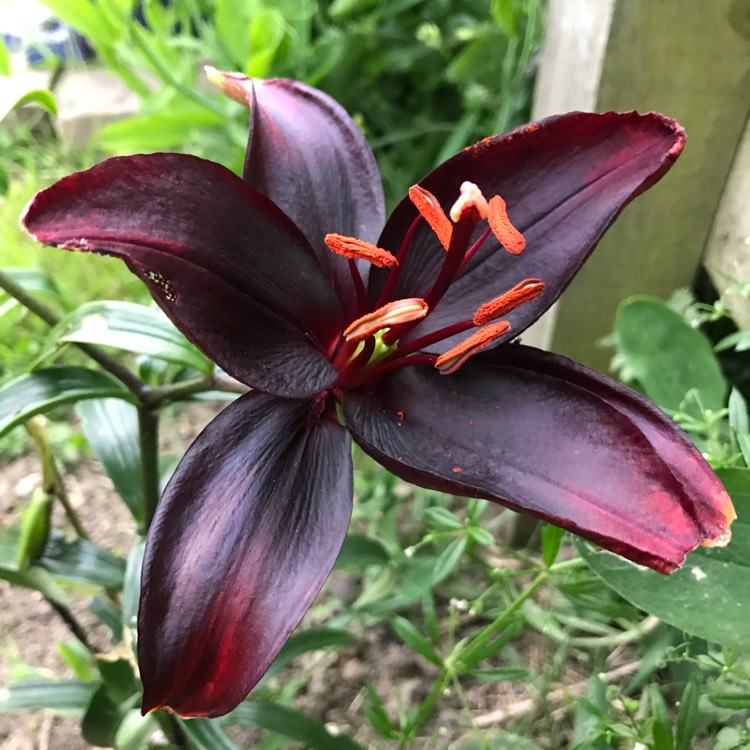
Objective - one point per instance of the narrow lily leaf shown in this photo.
(227, 265)
(290, 723)
(109, 614)
(205, 734)
(309, 640)
(673, 359)
(135, 731)
(83, 562)
(131, 590)
(44, 98)
(712, 580)
(44, 390)
(687, 719)
(111, 428)
(262, 500)
(4, 58)
(33, 280)
(56, 695)
(102, 718)
(564, 179)
(535, 432)
(132, 327)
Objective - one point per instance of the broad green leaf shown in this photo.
(359, 550)
(111, 428)
(132, 327)
(57, 695)
(289, 723)
(102, 718)
(78, 658)
(667, 356)
(83, 562)
(206, 734)
(711, 581)
(411, 636)
(44, 390)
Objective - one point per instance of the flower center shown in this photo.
(372, 344)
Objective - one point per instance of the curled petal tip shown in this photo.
(234, 85)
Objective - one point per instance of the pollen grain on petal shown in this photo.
(351, 247)
(394, 313)
(427, 205)
(455, 357)
(510, 238)
(471, 198)
(520, 294)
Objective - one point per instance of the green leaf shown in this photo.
(711, 581)
(135, 731)
(34, 528)
(57, 695)
(289, 723)
(687, 719)
(443, 517)
(378, 716)
(44, 390)
(448, 560)
(161, 131)
(4, 58)
(500, 674)
(42, 97)
(661, 726)
(111, 428)
(83, 562)
(411, 636)
(667, 356)
(309, 640)
(85, 17)
(735, 701)
(132, 327)
(359, 551)
(131, 591)
(102, 718)
(78, 658)
(33, 280)
(552, 537)
(206, 734)
(109, 614)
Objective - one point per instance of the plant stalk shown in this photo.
(148, 423)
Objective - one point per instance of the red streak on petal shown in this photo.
(455, 357)
(427, 205)
(511, 239)
(351, 247)
(525, 291)
(394, 313)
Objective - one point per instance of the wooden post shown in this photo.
(687, 58)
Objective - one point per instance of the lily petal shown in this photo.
(228, 267)
(307, 154)
(245, 534)
(565, 179)
(540, 434)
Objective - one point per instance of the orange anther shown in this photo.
(526, 291)
(398, 311)
(471, 198)
(510, 238)
(427, 205)
(351, 247)
(455, 357)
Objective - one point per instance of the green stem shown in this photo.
(148, 423)
(175, 391)
(70, 620)
(51, 318)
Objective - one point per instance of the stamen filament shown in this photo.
(359, 285)
(473, 249)
(391, 314)
(386, 367)
(393, 276)
(359, 361)
(409, 347)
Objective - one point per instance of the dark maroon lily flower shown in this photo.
(388, 334)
